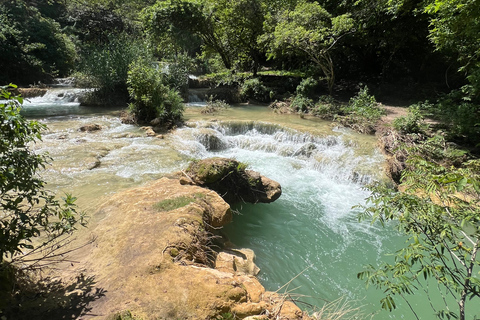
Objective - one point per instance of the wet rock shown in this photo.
(90, 127)
(306, 150)
(32, 92)
(229, 178)
(210, 139)
(127, 118)
(149, 131)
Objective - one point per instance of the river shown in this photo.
(311, 234)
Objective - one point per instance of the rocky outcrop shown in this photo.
(152, 257)
(32, 92)
(229, 178)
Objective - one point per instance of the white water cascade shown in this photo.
(312, 229)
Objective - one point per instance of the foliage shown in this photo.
(178, 71)
(327, 108)
(455, 28)
(460, 116)
(364, 105)
(32, 46)
(307, 87)
(152, 98)
(214, 106)
(227, 28)
(311, 30)
(302, 104)
(106, 66)
(439, 212)
(27, 209)
(413, 122)
(255, 89)
(95, 24)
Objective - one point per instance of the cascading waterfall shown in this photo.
(312, 226)
(61, 100)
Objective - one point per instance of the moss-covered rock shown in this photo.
(232, 181)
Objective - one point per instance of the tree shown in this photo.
(439, 212)
(228, 28)
(311, 30)
(32, 46)
(27, 209)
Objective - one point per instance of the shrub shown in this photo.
(302, 104)
(365, 106)
(460, 113)
(307, 87)
(327, 108)
(255, 89)
(151, 96)
(413, 122)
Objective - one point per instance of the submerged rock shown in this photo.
(229, 178)
(90, 127)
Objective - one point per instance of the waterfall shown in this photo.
(333, 155)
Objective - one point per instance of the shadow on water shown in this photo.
(52, 299)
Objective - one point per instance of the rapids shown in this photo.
(311, 233)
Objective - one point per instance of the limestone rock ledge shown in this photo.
(152, 258)
(230, 179)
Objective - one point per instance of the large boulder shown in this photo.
(232, 181)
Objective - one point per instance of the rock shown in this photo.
(32, 92)
(249, 309)
(254, 288)
(150, 132)
(127, 118)
(237, 294)
(224, 262)
(156, 122)
(90, 128)
(210, 140)
(260, 317)
(229, 178)
(240, 262)
(306, 150)
(284, 309)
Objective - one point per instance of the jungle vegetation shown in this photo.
(426, 52)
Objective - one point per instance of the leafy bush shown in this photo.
(307, 87)
(27, 209)
(413, 122)
(460, 112)
(327, 108)
(106, 67)
(301, 103)
(152, 98)
(255, 89)
(365, 106)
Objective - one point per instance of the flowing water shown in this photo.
(311, 231)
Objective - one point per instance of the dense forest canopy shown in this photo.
(419, 42)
